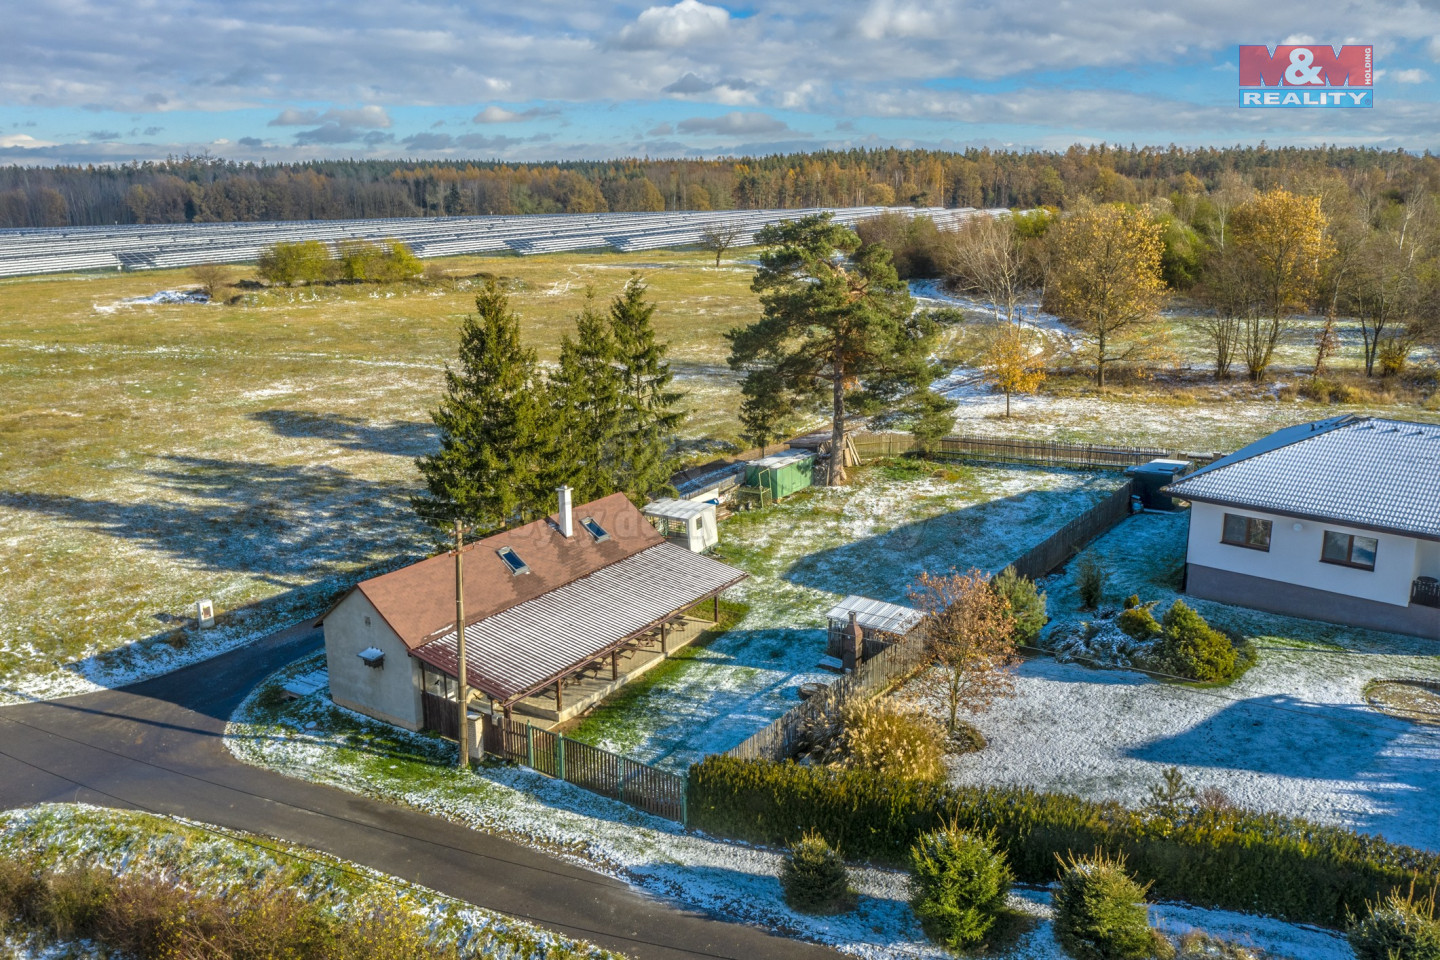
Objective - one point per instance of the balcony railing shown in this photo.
(1425, 591)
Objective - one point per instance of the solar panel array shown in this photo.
(157, 246)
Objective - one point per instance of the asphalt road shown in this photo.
(158, 746)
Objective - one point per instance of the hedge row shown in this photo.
(1258, 863)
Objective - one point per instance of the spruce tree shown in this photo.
(496, 432)
(585, 395)
(648, 419)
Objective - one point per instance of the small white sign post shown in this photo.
(205, 613)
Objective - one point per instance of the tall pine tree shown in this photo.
(586, 397)
(648, 419)
(496, 431)
(839, 327)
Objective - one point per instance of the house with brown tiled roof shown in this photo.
(558, 613)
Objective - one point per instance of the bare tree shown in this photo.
(719, 238)
(984, 257)
(1232, 190)
(212, 278)
(969, 635)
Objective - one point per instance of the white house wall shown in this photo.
(1294, 556)
(390, 692)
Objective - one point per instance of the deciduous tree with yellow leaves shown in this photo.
(1105, 279)
(1014, 362)
(1281, 239)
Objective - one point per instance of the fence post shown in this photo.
(560, 757)
(529, 746)
(685, 801)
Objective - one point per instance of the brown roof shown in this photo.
(418, 601)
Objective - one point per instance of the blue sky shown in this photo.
(94, 81)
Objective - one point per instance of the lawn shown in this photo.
(260, 453)
(214, 862)
(155, 454)
(1293, 735)
(873, 537)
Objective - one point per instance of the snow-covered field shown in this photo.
(213, 861)
(1293, 735)
(313, 739)
(873, 538)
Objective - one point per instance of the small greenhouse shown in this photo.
(688, 523)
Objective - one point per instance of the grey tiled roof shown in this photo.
(1362, 471)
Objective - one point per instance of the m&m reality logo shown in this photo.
(1307, 75)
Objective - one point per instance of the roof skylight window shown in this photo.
(513, 561)
(596, 531)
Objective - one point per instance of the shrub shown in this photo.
(1100, 913)
(1398, 928)
(1193, 649)
(886, 740)
(1138, 623)
(1027, 604)
(958, 886)
(1227, 858)
(1091, 575)
(307, 261)
(814, 879)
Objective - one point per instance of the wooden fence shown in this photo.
(782, 739)
(1042, 453)
(650, 789)
(1042, 559)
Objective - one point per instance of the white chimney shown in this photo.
(567, 519)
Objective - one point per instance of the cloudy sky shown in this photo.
(116, 80)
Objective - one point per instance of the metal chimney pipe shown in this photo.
(567, 518)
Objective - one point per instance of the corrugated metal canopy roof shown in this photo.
(670, 509)
(522, 649)
(1369, 472)
(777, 460)
(876, 614)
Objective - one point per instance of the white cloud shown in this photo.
(22, 141)
(687, 22)
(1411, 76)
(494, 114)
(366, 118)
(733, 124)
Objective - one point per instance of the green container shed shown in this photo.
(781, 474)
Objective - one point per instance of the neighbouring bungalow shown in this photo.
(1337, 520)
(558, 613)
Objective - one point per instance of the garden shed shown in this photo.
(878, 624)
(688, 523)
(781, 474)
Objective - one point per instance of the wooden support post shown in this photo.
(559, 696)
(715, 609)
(614, 664)
(664, 643)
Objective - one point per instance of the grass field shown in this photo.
(155, 454)
(873, 537)
(260, 453)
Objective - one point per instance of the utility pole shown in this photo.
(464, 733)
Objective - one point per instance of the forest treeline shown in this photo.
(208, 189)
